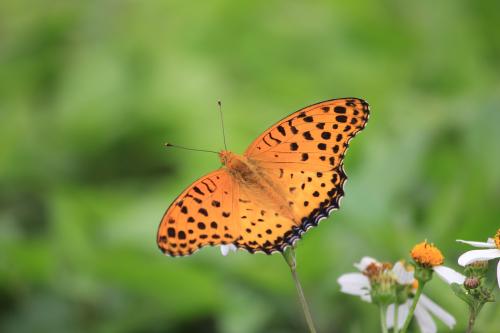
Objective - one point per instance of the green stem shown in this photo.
(413, 306)
(472, 319)
(289, 256)
(383, 322)
(396, 319)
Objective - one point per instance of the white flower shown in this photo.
(359, 285)
(225, 249)
(491, 251)
(423, 314)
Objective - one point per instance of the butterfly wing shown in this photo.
(201, 215)
(314, 138)
(311, 195)
(262, 228)
(303, 155)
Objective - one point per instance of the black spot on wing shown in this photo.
(341, 119)
(339, 109)
(203, 211)
(307, 135)
(281, 129)
(197, 190)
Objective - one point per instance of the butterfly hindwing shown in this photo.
(202, 215)
(313, 194)
(263, 228)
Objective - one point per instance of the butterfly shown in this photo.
(288, 179)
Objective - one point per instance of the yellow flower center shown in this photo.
(481, 264)
(371, 270)
(427, 255)
(374, 270)
(497, 239)
(382, 279)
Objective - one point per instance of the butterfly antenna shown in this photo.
(222, 124)
(180, 147)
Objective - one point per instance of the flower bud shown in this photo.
(472, 283)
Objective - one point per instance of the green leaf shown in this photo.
(459, 290)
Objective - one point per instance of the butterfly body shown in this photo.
(289, 179)
(239, 167)
(254, 181)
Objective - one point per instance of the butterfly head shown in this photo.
(226, 157)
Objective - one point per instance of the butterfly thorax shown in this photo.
(240, 168)
(253, 180)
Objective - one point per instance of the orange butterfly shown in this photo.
(289, 179)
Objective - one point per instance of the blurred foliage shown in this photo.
(90, 91)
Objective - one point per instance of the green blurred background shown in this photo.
(90, 91)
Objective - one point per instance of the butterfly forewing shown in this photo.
(314, 138)
(202, 215)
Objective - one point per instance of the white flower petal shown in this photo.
(424, 320)
(354, 284)
(402, 275)
(489, 244)
(478, 255)
(355, 291)
(356, 279)
(498, 273)
(225, 249)
(449, 275)
(365, 262)
(366, 298)
(389, 316)
(403, 310)
(438, 311)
